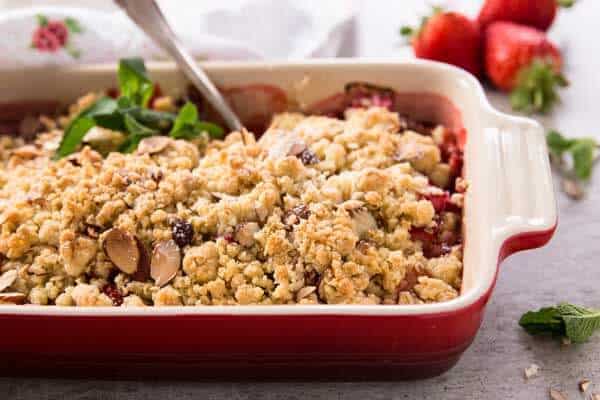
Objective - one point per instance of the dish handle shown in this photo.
(520, 188)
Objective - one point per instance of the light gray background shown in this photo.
(568, 269)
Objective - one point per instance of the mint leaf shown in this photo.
(137, 132)
(581, 150)
(574, 322)
(78, 127)
(187, 125)
(73, 25)
(583, 157)
(134, 82)
(557, 143)
(545, 320)
(214, 130)
(580, 322)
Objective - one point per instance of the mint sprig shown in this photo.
(130, 114)
(574, 322)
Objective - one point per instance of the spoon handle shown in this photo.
(148, 16)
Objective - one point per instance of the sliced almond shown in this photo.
(7, 279)
(12, 298)
(166, 260)
(153, 145)
(122, 249)
(363, 221)
(305, 292)
(286, 145)
(244, 233)
(584, 385)
(556, 394)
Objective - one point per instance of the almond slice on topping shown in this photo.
(7, 279)
(285, 145)
(122, 249)
(305, 292)
(166, 260)
(363, 221)
(153, 144)
(244, 233)
(12, 298)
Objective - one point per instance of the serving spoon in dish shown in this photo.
(148, 17)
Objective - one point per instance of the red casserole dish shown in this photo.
(510, 206)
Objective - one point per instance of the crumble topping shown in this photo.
(319, 210)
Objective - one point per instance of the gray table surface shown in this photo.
(568, 269)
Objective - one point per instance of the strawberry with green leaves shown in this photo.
(522, 60)
(448, 37)
(535, 13)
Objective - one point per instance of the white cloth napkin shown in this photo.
(210, 29)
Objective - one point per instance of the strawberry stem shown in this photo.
(409, 32)
(536, 87)
(565, 3)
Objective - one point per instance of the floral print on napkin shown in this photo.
(53, 35)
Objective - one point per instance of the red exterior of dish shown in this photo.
(248, 346)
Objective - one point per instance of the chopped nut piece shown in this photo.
(12, 298)
(153, 144)
(166, 260)
(557, 395)
(122, 249)
(7, 279)
(584, 385)
(164, 103)
(572, 189)
(532, 371)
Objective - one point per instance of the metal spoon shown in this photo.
(148, 16)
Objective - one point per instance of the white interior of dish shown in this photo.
(508, 191)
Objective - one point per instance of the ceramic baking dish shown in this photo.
(510, 206)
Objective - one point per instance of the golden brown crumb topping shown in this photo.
(319, 210)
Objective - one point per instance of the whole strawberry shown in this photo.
(448, 37)
(522, 60)
(536, 13)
